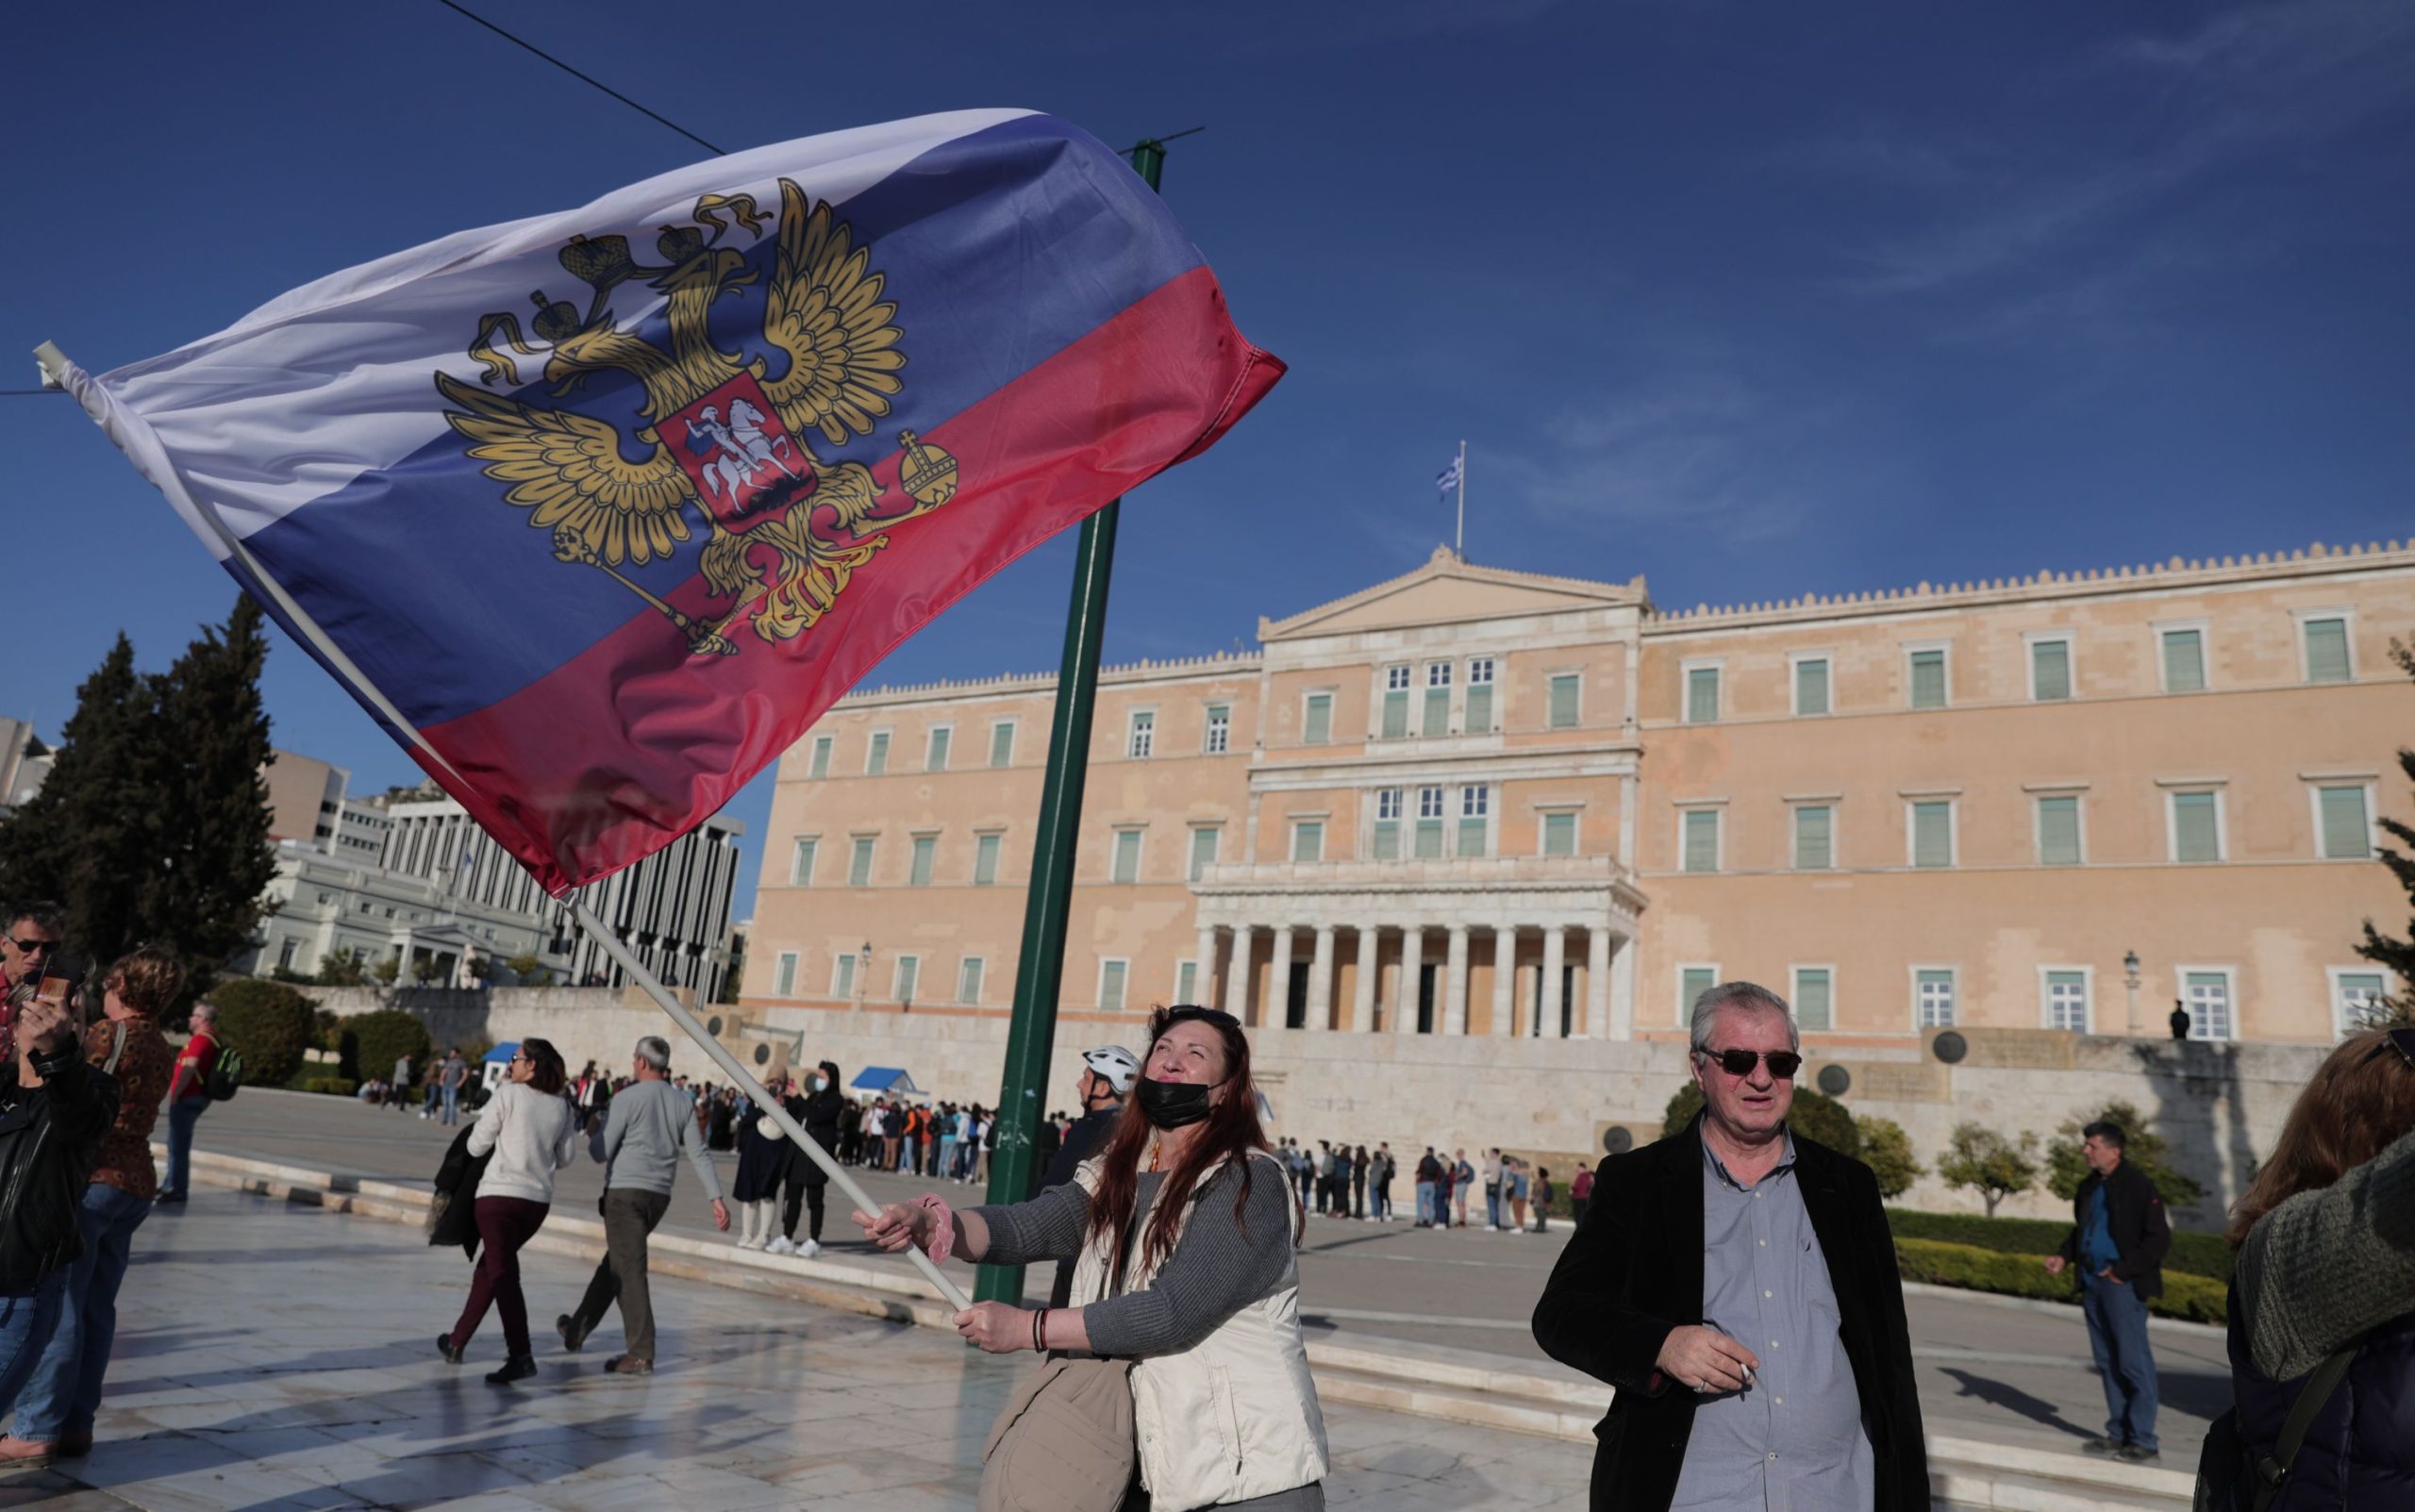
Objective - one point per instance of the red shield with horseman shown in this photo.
(745, 464)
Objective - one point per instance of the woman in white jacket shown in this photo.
(1206, 1308)
(530, 1130)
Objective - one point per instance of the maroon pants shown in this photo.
(504, 1224)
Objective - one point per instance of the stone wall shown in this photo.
(2219, 1106)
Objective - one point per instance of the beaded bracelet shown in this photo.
(1040, 1330)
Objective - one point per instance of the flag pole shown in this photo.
(762, 1100)
(1459, 546)
(1048, 904)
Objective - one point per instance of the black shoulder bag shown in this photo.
(2231, 1479)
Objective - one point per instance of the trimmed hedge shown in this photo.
(270, 1022)
(331, 1086)
(1942, 1264)
(2194, 1251)
(383, 1037)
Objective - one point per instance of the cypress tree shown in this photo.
(2398, 955)
(206, 894)
(88, 838)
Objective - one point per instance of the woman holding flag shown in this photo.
(1182, 1229)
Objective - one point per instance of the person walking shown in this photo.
(455, 1075)
(189, 1098)
(817, 1112)
(2118, 1242)
(54, 1110)
(762, 1158)
(1580, 1192)
(1735, 1284)
(531, 1131)
(56, 1409)
(1429, 1178)
(638, 1145)
(1183, 1229)
(2324, 1269)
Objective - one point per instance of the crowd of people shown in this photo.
(1354, 1182)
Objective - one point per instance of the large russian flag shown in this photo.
(597, 512)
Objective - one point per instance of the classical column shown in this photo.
(1237, 974)
(1597, 983)
(1203, 987)
(1504, 979)
(1321, 981)
(1622, 991)
(1362, 997)
(1276, 1014)
(1455, 983)
(1555, 955)
(1412, 957)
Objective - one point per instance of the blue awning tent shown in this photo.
(890, 1081)
(503, 1053)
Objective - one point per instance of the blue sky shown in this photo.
(1752, 300)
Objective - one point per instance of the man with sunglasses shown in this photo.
(1737, 1284)
(27, 951)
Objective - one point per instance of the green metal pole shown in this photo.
(1041, 970)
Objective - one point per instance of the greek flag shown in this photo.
(1449, 477)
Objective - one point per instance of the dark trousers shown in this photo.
(809, 1194)
(629, 1216)
(504, 1224)
(2117, 1332)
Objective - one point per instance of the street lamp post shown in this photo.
(863, 978)
(2130, 980)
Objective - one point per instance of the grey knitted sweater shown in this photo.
(1217, 1267)
(2328, 1266)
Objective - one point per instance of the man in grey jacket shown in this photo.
(651, 1125)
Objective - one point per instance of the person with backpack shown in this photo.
(189, 1097)
(2322, 1316)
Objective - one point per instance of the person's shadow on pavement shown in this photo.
(2012, 1398)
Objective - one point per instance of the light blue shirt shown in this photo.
(1792, 1439)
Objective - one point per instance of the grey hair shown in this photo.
(204, 1009)
(1744, 997)
(656, 1051)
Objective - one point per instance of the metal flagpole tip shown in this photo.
(53, 363)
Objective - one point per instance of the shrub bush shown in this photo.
(2194, 1251)
(2066, 1167)
(383, 1037)
(1823, 1119)
(1888, 1151)
(331, 1085)
(1942, 1264)
(270, 1022)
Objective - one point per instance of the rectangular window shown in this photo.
(860, 865)
(821, 756)
(2183, 661)
(1928, 679)
(2196, 827)
(968, 980)
(1559, 834)
(1317, 724)
(877, 754)
(285, 952)
(1142, 737)
(2067, 1001)
(1429, 824)
(1933, 994)
(1307, 840)
(1203, 850)
(909, 974)
(784, 980)
(1438, 700)
(1702, 695)
(1702, 839)
(1110, 985)
(1186, 982)
(1475, 804)
(1220, 728)
(1692, 982)
(1388, 824)
(927, 850)
(1814, 847)
(935, 756)
(801, 864)
(1812, 686)
(1812, 1007)
(2357, 998)
(842, 976)
(1396, 703)
(2050, 670)
(1127, 855)
(1566, 692)
(1001, 743)
(1479, 697)
(2058, 830)
(2346, 833)
(2207, 996)
(2327, 651)
(1932, 833)
(985, 859)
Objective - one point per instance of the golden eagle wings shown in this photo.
(569, 471)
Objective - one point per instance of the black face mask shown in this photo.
(1173, 1105)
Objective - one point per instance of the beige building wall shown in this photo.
(304, 798)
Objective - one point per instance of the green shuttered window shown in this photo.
(821, 756)
(1812, 686)
(1564, 691)
(1702, 839)
(926, 849)
(1110, 985)
(1307, 841)
(1559, 834)
(860, 865)
(2058, 830)
(2183, 661)
(1317, 723)
(1127, 855)
(1203, 850)
(1812, 1009)
(1702, 695)
(2196, 827)
(2346, 834)
(985, 860)
(2327, 651)
(1002, 745)
(2050, 669)
(1692, 984)
(1928, 679)
(1933, 834)
(1813, 850)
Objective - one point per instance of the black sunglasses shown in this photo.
(1783, 1063)
(2402, 1040)
(34, 947)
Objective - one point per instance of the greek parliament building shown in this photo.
(1476, 808)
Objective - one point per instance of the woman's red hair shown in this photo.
(2359, 1102)
(1230, 1132)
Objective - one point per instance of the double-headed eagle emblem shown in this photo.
(718, 431)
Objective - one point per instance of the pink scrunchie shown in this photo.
(942, 1234)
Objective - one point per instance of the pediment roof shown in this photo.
(1448, 590)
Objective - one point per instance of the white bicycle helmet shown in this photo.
(1116, 1065)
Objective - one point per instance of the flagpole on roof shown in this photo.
(1459, 545)
(1039, 968)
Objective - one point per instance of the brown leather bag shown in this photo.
(1064, 1442)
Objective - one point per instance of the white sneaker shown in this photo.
(810, 1249)
(751, 1241)
(779, 1246)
